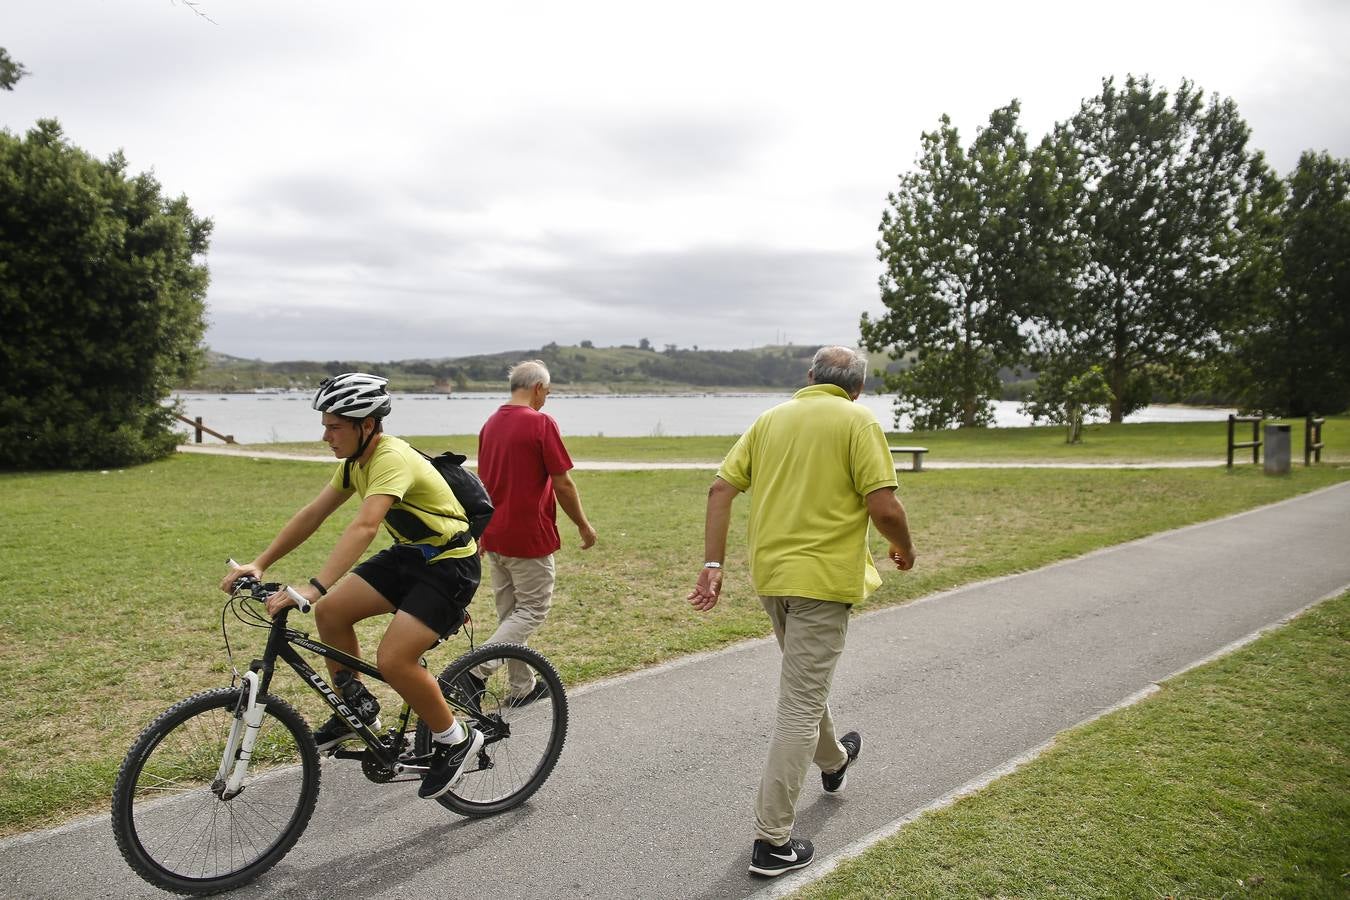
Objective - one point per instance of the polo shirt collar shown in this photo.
(810, 389)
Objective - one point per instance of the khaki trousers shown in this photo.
(811, 634)
(523, 589)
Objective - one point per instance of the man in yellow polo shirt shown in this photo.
(818, 469)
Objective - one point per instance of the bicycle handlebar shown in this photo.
(262, 590)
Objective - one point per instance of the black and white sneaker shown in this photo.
(448, 763)
(360, 701)
(771, 861)
(834, 782)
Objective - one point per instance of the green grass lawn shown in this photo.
(110, 609)
(1101, 444)
(1232, 781)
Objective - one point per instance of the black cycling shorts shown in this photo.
(437, 593)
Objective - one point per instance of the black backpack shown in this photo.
(467, 489)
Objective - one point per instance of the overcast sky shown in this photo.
(404, 180)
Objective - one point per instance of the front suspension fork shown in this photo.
(239, 745)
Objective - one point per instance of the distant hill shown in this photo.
(579, 368)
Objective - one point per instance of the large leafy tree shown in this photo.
(102, 293)
(964, 257)
(1162, 188)
(1290, 350)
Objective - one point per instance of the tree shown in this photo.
(10, 71)
(1160, 193)
(1289, 354)
(102, 295)
(963, 249)
(1065, 397)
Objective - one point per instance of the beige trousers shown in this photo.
(523, 589)
(811, 634)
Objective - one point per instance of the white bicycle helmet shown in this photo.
(355, 395)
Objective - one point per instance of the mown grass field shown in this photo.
(110, 610)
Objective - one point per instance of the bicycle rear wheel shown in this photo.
(168, 816)
(523, 736)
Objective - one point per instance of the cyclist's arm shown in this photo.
(294, 533)
(565, 489)
(355, 538)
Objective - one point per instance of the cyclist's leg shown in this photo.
(431, 607)
(401, 649)
(351, 600)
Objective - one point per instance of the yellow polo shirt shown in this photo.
(809, 464)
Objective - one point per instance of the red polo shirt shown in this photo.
(519, 451)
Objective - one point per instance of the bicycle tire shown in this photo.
(176, 832)
(522, 742)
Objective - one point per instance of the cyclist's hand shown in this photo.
(237, 572)
(706, 592)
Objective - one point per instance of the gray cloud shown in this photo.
(719, 298)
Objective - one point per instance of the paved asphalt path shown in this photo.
(653, 796)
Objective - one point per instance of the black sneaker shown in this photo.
(771, 861)
(834, 782)
(448, 763)
(539, 690)
(360, 701)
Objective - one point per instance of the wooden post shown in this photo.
(199, 429)
(1312, 439)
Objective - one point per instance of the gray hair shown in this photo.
(526, 375)
(840, 366)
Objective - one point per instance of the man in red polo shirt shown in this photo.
(524, 465)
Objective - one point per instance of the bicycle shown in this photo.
(220, 786)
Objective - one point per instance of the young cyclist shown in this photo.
(426, 579)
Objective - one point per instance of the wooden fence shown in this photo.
(199, 428)
(1254, 443)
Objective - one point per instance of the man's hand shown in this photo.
(705, 594)
(903, 557)
(587, 535)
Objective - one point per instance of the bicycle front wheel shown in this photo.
(174, 822)
(513, 695)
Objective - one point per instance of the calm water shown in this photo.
(263, 418)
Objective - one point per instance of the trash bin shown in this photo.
(1277, 449)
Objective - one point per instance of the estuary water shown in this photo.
(271, 417)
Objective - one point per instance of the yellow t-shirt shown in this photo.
(425, 511)
(809, 464)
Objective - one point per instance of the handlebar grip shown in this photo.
(299, 598)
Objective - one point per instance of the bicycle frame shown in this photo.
(281, 644)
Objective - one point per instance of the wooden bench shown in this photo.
(917, 453)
